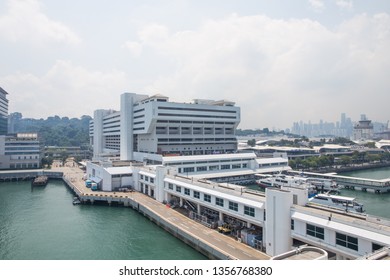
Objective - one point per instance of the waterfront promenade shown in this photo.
(189, 231)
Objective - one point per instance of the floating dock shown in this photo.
(353, 183)
(40, 180)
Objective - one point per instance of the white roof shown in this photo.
(271, 160)
(146, 173)
(119, 170)
(230, 197)
(343, 228)
(208, 157)
(276, 148)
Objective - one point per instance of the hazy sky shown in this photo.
(281, 61)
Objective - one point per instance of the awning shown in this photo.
(97, 180)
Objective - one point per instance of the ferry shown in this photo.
(340, 202)
(280, 181)
(325, 185)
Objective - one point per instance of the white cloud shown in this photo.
(25, 21)
(317, 5)
(279, 71)
(345, 4)
(66, 90)
(135, 48)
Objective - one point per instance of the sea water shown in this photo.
(41, 223)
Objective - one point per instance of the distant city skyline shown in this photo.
(278, 60)
(341, 128)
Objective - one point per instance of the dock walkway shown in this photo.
(208, 241)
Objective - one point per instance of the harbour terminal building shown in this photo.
(184, 155)
(148, 127)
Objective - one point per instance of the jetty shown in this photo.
(353, 183)
(205, 240)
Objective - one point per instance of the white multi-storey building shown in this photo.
(148, 127)
(20, 151)
(3, 112)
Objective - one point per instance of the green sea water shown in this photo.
(41, 223)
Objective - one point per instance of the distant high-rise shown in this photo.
(364, 130)
(3, 112)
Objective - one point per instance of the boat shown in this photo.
(349, 204)
(325, 185)
(281, 181)
(40, 181)
(76, 201)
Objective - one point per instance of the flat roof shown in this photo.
(340, 227)
(271, 160)
(173, 159)
(230, 197)
(119, 170)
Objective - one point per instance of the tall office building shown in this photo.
(364, 129)
(3, 112)
(148, 127)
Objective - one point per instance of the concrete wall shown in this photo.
(278, 221)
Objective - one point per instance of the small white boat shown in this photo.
(76, 201)
(340, 202)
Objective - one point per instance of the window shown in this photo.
(207, 198)
(142, 177)
(225, 166)
(315, 231)
(151, 180)
(292, 224)
(196, 194)
(186, 191)
(188, 169)
(347, 241)
(250, 211)
(244, 165)
(201, 168)
(213, 167)
(170, 186)
(219, 201)
(233, 206)
(178, 189)
(236, 166)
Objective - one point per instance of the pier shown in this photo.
(207, 241)
(24, 175)
(353, 183)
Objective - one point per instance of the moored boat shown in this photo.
(281, 181)
(40, 181)
(340, 202)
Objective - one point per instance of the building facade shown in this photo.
(20, 151)
(275, 221)
(363, 130)
(152, 125)
(3, 112)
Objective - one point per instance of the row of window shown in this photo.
(341, 239)
(147, 178)
(249, 211)
(194, 122)
(212, 167)
(197, 109)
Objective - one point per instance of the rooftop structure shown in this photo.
(303, 253)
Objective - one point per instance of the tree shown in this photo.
(251, 142)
